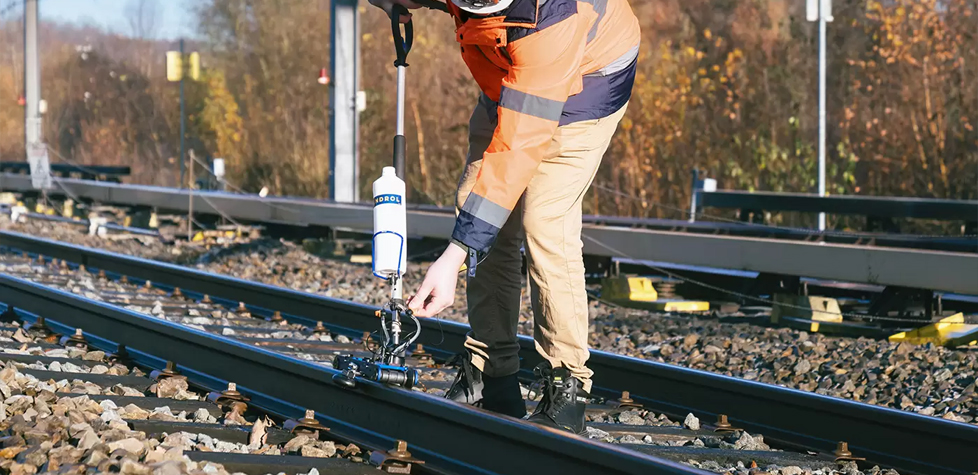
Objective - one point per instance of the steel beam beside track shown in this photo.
(449, 437)
(911, 442)
(94, 171)
(955, 272)
(876, 206)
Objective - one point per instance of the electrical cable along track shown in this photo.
(276, 344)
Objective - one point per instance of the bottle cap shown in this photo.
(389, 171)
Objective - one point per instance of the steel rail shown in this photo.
(876, 206)
(933, 270)
(111, 171)
(908, 441)
(86, 223)
(450, 438)
(177, 200)
(922, 269)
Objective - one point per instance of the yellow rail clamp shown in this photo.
(68, 209)
(361, 259)
(640, 293)
(817, 309)
(677, 305)
(628, 289)
(950, 331)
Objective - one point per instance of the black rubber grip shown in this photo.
(433, 5)
(399, 155)
(402, 42)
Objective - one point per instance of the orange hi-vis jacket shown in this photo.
(541, 63)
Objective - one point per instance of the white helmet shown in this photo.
(482, 7)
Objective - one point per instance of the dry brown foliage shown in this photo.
(725, 86)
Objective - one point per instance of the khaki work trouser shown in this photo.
(549, 216)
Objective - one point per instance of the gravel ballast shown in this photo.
(926, 379)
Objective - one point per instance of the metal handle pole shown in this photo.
(399, 144)
(402, 46)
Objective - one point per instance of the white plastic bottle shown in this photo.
(390, 225)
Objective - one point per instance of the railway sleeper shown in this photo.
(130, 447)
(615, 409)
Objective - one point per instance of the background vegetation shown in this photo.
(725, 86)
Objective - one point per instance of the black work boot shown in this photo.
(471, 387)
(564, 401)
(467, 387)
(503, 395)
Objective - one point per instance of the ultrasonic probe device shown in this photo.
(389, 252)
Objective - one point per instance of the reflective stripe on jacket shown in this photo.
(543, 63)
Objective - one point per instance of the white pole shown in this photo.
(824, 16)
(343, 124)
(32, 77)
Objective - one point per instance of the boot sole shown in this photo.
(547, 422)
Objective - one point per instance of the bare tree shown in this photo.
(142, 16)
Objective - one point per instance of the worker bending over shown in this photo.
(556, 77)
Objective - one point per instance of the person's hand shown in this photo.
(386, 5)
(437, 292)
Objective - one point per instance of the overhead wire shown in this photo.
(219, 211)
(57, 180)
(223, 180)
(203, 196)
(196, 159)
(74, 163)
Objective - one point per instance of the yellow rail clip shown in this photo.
(950, 331)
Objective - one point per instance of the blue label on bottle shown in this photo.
(389, 198)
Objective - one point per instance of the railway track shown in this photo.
(123, 418)
(789, 419)
(446, 438)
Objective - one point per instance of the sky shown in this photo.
(174, 17)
